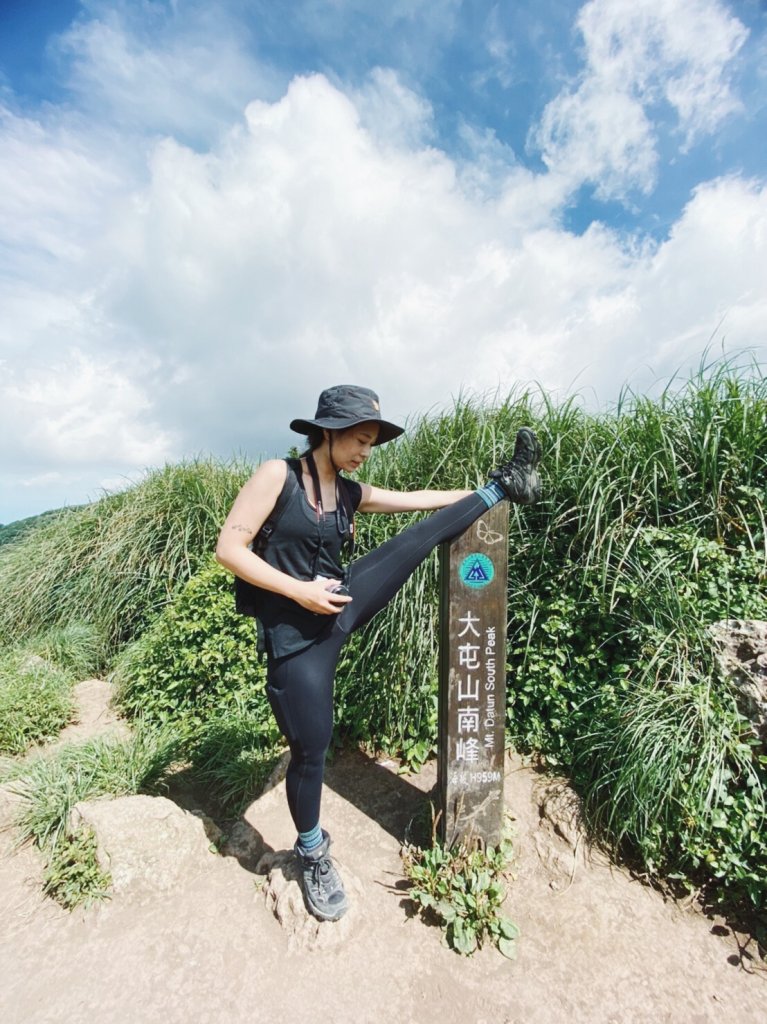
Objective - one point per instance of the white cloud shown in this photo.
(78, 410)
(182, 68)
(390, 112)
(165, 297)
(640, 54)
(51, 187)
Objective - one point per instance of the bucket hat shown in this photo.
(344, 406)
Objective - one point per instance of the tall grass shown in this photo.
(652, 526)
(114, 563)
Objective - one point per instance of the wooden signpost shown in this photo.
(472, 672)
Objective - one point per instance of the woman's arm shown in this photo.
(250, 511)
(375, 499)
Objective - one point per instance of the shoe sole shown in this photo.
(531, 441)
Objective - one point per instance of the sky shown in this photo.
(212, 209)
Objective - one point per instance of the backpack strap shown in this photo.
(246, 595)
(289, 488)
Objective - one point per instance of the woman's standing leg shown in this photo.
(300, 692)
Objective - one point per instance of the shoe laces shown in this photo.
(321, 869)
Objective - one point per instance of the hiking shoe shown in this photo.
(323, 889)
(519, 476)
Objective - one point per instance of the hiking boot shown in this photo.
(519, 476)
(323, 889)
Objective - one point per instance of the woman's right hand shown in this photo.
(315, 596)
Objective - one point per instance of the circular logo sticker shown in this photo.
(476, 571)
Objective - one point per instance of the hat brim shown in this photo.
(387, 431)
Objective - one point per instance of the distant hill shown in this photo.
(13, 531)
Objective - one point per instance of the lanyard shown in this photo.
(344, 513)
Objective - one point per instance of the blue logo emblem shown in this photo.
(476, 571)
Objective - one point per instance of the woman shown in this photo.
(298, 518)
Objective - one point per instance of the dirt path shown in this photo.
(596, 946)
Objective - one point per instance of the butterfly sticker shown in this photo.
(486, 535)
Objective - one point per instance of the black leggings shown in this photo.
(300, 686)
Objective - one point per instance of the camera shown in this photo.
(335, 588)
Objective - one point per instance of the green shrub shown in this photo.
(671, 774)
(233, 753)
(35, 700)
(197, 666)
(588, 632)
(196, 658)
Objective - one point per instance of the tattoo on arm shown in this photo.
(241, 528)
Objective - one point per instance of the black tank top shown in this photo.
(302, 546)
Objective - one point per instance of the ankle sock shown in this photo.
(310, 840)
(491, 493)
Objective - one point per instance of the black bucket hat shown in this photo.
(344, 406)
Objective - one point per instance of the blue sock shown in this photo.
(310, 840)
(491, 493)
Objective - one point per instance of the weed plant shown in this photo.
(463, 888)
(72, 875)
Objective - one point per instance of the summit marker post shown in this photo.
(472, 680)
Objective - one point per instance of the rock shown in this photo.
(741, 651)
(243, 843)
(278, 773)
(147, 843)
(561, 812)
(283, 896)
(559, 839)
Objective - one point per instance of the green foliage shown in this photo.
(386, 683)
(35, 700)
(671, 774)
(12, 532)
(463, 888)
(197, 666)
(76, 647)
(233, 753)
(116, 562)
(652, 527)
(72, 875)
(195, 658)
(51, 785)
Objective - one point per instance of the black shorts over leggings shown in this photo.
(300, 686)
